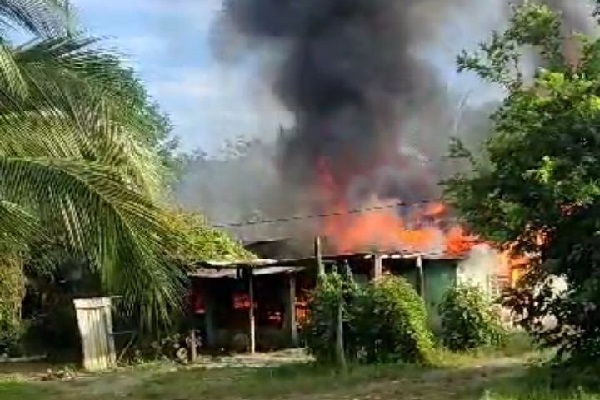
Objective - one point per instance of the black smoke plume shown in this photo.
(351, 73)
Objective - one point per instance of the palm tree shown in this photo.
(74, 154)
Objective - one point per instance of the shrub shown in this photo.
(320, 329)
(384, 322)
(469, 320)
(390, 323)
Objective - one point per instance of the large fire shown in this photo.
(387, 225)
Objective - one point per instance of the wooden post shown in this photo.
(319, 256)
(290, 311)
(339, 335)
(377, 266)
(251, 313)
(193, 349)
(420, 277)
(318, 250)
(94, 320)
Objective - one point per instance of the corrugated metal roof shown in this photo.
(258, 262)
(276, 270)
(266, 266)
(213, 273)
(208, 273)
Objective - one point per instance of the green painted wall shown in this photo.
(439, 276)
(410, 275)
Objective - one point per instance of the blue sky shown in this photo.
(167, 41)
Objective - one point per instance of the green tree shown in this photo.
(537, 185)
(78, 153)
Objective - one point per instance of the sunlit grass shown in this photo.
(492, 374)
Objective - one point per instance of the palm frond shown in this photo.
(74, 152)
(38, 17)
(18, 224)
(14, 82)
(117, 226)
(90, 88)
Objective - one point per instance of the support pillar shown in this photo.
(420, 277)
(290, 323)
(251, 316)
(319, 256)
(377, 266)
(209, 317)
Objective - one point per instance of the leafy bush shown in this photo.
(384, 322)
(469, 320)
(390, 323)
(320, 329)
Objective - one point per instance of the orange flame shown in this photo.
(423, 229)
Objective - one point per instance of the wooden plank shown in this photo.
(377, 266)
(94, 320)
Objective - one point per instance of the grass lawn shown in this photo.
(483, 376)
(501, 379)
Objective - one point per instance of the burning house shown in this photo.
(372, 118)
(372, 123)
(261, 304)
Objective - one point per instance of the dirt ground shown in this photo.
(276, 377)
(508, 374)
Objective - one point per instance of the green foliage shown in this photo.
(200, 241)
(320, 331)
(384, 322)
(79, 153)
(37, 17)
(539, 184)
(391, 323)
(469, 320)
(12, 290)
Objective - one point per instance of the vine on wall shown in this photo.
(12, 291)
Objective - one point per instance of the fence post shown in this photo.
(339, 335)
(94, 319)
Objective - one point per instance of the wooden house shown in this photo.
(278, 290)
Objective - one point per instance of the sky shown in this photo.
(209, 103)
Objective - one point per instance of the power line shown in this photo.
(314, 216)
